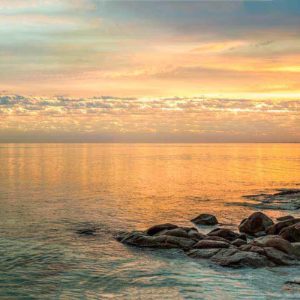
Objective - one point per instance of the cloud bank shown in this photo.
(174, 119)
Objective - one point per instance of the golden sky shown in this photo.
(96, 70)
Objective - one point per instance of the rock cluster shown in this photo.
(260, 242)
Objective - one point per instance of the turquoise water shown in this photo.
(49, 191)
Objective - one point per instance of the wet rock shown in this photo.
(285, 199)
(227, 234)
(276, 242)
(292, 286)
(236, 259)
(202, 253)
(256, 222)
(252, 248)
(205, 219)
(238, 242)
(215, 238)
(276, 228)
(176, 232)
(157, 228)
(179, 242)
(285, 218)
(208, 244)
(280, 258)
(140, 239)
(291, 233)
(86, 231)
(296, 248)
(195, 235)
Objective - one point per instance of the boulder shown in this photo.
(291, 233)
(276, 242)
(292, 286)
(208, 244)
(195, 235)
(276, 228)
(256, 222)
(238, 242)
(227, 234)
(297, 248)
(205, 219)
(279, 258)
(86, 231)
(202, 253)
(179, 242)
(140, 239)
(237, 259)
(175, 232)
(157, 228)
(251, 248)
(285, 218)
(215, 238)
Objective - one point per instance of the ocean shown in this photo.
(50, 191)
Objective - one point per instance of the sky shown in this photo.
(149, 71)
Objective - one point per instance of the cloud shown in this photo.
(139, 119)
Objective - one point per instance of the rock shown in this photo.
(285, 218)
(297, 248)
(140, 239)
(292, 286)
(276, 228)
(179, 242)
(256, 222)
(227, 234)
(208, 244)
(251, 248)
(157, 228)
(202, 253)
(276, 242)
(86, 231)
(215, 238)
(279, 258)
(176, 232)
(238, 242)
(205, 219)
(236, 259)
(195, 235)
(243, 236)
(291, 233)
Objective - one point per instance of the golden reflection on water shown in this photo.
(138, 184)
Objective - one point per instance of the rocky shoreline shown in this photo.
(282, 199)
(259, 243)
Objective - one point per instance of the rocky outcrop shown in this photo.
(205, 219)
(284, 199)
(257, 222)
(225, 247)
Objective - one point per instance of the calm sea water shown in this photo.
(48, 191)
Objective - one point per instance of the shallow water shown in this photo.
(48, 191)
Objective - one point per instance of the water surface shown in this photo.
(48, 191)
